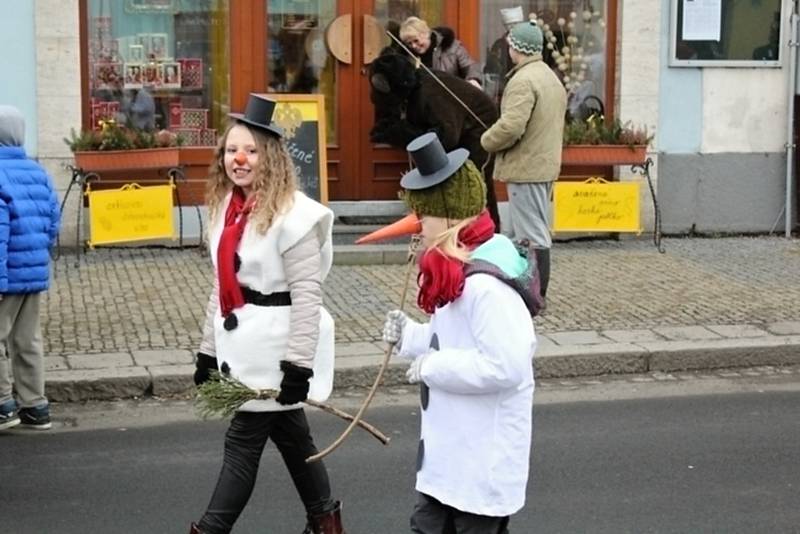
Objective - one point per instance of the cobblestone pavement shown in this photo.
(132, 299)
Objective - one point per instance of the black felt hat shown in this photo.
(433, 164)
(258, 114)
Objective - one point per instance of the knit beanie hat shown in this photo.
(12, 126)
(526, 38)
(460, 196)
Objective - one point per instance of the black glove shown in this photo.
(204, 365)
(294, 386)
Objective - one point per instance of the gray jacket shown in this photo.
(449, 55)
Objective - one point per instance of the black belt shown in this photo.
(252, 296)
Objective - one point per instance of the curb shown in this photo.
(169, 373)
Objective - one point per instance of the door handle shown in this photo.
(339, 37)
(374, 39)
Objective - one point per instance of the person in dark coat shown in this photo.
(409, 102)
(29, 219)
(439, 49)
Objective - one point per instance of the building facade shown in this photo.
(718, 150)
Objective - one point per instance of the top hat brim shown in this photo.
(269, 128)
(415, 180)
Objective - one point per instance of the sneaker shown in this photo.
(37, 418)
(8, 415)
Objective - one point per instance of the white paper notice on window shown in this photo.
(702, 20)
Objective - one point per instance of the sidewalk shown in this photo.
(126, 322)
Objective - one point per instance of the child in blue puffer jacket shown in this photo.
(29, 219)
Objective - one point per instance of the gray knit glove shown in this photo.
(393, 327)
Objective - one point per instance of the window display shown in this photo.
(151, 64)
(575, 46)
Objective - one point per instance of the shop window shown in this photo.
(298, 60)
(160, 64)
(575, 48)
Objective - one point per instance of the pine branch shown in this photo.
(223, 395)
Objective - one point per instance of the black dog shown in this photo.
(409, 102)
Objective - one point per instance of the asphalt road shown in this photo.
(699, 462)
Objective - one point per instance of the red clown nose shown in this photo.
(408, 225)
(240, 158)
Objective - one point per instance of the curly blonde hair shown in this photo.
(273, 187)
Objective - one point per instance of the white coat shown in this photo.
(476, 430)
(253, 350)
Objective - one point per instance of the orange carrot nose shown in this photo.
(240, 158)
(406, 226)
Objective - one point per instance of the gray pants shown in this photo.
(21, 349)
(529, 212)
(432, 517)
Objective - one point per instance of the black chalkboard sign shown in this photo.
(302, 118)
(727, 33)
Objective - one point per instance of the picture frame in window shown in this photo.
(158, 46)
(191, 73)
(136, 53)
(107, 75)
(134, 76)
(153, 75)
(172, 75)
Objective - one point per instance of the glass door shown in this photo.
(381, 163)
(325, 47)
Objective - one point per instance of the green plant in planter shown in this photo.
(114, 136)
(597, 131)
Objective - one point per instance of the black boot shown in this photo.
(543, 260)
(326, 523)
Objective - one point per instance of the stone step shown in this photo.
(347, 234)
(369, 254)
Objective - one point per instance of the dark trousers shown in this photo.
(432, 517)
(244, 443)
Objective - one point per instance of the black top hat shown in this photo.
(434, 165)
(259, 115)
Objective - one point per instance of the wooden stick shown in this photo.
(380, 436)
(384, 365)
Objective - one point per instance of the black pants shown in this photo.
(244, 443)
(432, 517)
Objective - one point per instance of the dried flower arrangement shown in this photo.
(570, 41)
(114, 136)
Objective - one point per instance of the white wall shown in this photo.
(638, 67)
(58, 96)
(744, 110)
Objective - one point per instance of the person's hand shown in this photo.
(203, 367)
(294, 386)
(393, 327)
(414, 373)
(476, 83)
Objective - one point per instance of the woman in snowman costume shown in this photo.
(473, 359)
(265, 325)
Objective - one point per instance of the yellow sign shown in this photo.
(596, 206)
(130, 213)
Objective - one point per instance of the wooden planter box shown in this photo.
(603, 154)
(111, 160)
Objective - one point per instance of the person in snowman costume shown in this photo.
(265, 325)
(473, 359)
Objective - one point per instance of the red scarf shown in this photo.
(441, 278)
(230, 294)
